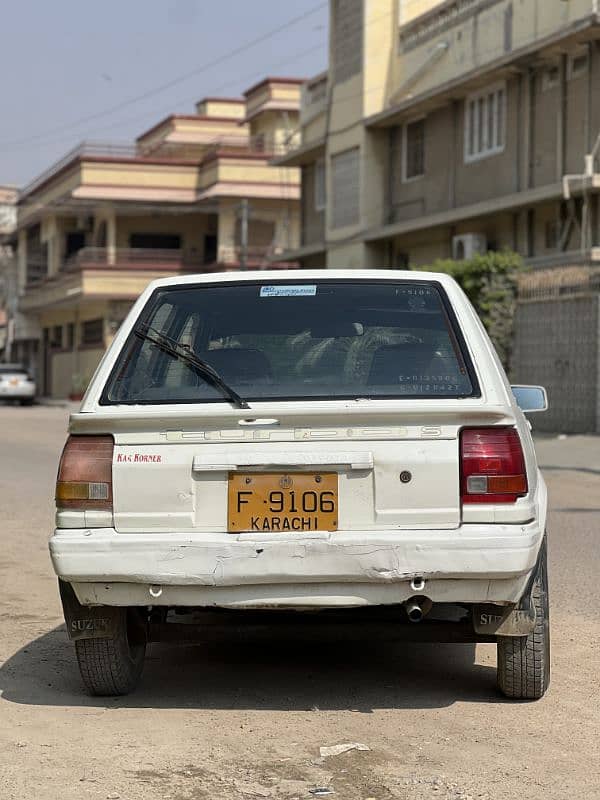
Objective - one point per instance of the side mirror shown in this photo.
(531, 399)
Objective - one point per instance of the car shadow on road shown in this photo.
(264, 673)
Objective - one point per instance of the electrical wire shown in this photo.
(174, 81)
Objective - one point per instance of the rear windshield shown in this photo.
(295, 341)
(14, 371)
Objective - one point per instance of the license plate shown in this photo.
(278, 502)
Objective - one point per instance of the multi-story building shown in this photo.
(8, 276)
(446, 128)
(195, 193)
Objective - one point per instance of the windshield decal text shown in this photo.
(288, 291)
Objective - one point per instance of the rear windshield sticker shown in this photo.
(288, 291)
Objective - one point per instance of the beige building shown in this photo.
(443, 129)
(8, 272)
(195, 193)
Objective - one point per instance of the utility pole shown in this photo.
(245, 211)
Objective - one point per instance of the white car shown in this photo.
(340, 441)
(16, 384)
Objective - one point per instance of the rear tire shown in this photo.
(112, 667)
(524, 662)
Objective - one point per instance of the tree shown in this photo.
(490, 281)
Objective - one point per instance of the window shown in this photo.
(74, 242)
(578, 65)
(211, 247)
(320, 185)
(485, 123)
(56, 337)
(155, 241)
(413, 150)
(551, 235)
(70, 335)
(345, 177)
(327, 340)
(347, 39)
(92, 333)
(550, 78)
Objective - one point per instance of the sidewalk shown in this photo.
(581, 453)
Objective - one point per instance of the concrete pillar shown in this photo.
(561, 120)
(111, 237)
(380, 27)
(50, 237)
(226, 233)
(22, 261)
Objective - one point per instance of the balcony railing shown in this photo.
(256, 255)
(163, 150)
(127, 256)
(434, 22)
(261, 145)
(90, 149)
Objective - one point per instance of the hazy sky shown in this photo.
(65, 60)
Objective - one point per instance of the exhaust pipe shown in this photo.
(414, 610)
(417, 607)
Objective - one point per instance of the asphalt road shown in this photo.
(244, 719)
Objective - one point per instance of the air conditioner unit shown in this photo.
(468, 245)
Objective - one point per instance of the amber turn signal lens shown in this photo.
(507, 484)
(85, 474)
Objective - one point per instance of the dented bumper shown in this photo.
(474, 564)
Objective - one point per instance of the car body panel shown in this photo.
(170, 476)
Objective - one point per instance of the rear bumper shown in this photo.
(21, 392)
(474, 564)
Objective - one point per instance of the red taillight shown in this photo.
(85, 474)
(492, 466)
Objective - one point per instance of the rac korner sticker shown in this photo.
(288, 291)
(138, 458)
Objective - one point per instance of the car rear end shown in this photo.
(381, 459)
(16, 384)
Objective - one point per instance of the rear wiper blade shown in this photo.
(191, 360)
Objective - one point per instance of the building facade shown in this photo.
(444, 129)
(8, 271)
(194, 193)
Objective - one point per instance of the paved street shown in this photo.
(246, 719)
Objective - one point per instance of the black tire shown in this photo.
(26, 402)
(112, 667)
(524, 662)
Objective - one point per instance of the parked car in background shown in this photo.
(331, 441)
(16, 384)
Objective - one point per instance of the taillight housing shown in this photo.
(84, 480)
(492, 466)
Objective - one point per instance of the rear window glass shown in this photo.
(293, 341)
(13, 371)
